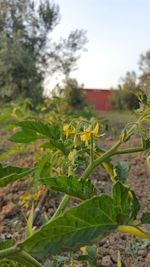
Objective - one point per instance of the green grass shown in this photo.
(118, 119)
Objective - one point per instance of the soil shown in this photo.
(135, 252)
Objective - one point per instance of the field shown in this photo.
(18, 198)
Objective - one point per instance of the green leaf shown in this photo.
(71, 186)
(9, 263)
(83, 258)
(10, 174)
(122, 170)
(63, 145)
(44, 128)
(79, 226)
(146, 142)
(44, 166)
(29, 222)
(145, 99)
(24, 136)
(33, 130)
(126, 203)
(135, 206)
(92, 253)
(123, 264)
(6, 244)
(145, 218)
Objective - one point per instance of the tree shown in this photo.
(125, 96)
(23, 38)
(73, 94)
(19, 75)
(144, 66)
(66, 53)
(26, 51)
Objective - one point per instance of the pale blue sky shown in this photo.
(118, 32)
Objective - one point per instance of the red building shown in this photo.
(99, 98)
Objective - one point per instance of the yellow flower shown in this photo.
(69, 130)
(88, 132)
(66, 129)
(96, 129)
(85, 136)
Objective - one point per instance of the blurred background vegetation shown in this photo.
(28, 55)
(125, 95)
(27, 52)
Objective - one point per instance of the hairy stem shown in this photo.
(129, 150)
(96, 162)
(71, 260)
(28, 258)
(91, 150)
(65, 198)
(9, 252)
(61, 206)
(15, 253)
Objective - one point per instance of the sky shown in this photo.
(118, 32)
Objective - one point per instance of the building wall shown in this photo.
(99, 98)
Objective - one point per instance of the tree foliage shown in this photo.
(23, 38)
(125, 96)
(66, 53)
(26, 51)
(144, 66)
(73, 94)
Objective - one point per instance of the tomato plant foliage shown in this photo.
(66, 147)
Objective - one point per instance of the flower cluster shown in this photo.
(85, 135)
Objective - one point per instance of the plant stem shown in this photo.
(129, 150)
(9, 251)
(96, 162)
(91, 150)
(29, 259)
(19, 255)
(71, 260)
(61, 206)
(65, 198)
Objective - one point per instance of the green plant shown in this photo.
(64, 151)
